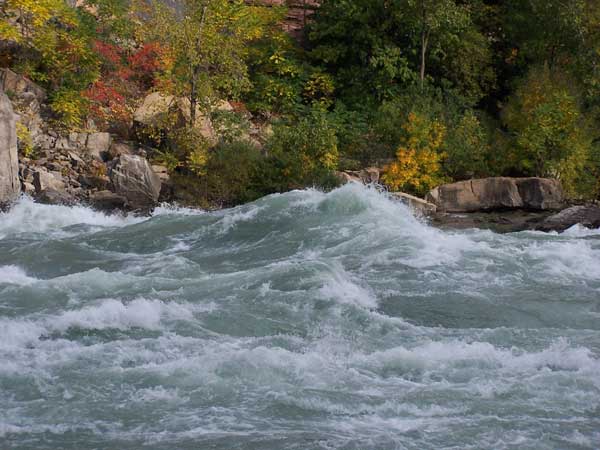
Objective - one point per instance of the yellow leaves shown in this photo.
(418, 159)
(319, 90)
(30, 16)
(197, 161)
(24, 140)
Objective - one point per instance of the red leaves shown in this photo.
(125, 76)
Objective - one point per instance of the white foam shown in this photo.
(446, 354)
(26, 216)
(166, 209)
(106, 314)
(15, 275)
(339, 286)
(238, 215)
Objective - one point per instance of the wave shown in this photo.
(15, 275)
(26, 216)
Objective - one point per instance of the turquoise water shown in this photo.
(301, 321)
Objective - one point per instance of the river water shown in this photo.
(303, 321)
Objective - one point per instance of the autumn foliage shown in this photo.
(418, 159)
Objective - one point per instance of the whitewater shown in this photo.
(304, 320)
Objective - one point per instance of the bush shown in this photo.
(550, 135)
(466, 149)
(233, 174)
(417, 168)
(302, 154)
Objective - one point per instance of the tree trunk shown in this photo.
(424, 44)
(193, 96)
(195, 71)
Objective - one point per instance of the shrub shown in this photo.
(417, 168)
(551, 137)
(466, 149)
(302, 154)
(24, 141)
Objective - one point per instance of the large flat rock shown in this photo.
(498, 193)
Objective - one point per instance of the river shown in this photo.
(304, 320)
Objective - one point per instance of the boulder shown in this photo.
(55, 197)
(44, 180)
(541, 193)
(20, 86)
(133, 179)
(120, 148)
(497, 193)
(588, 216)
(364, 176)
(107, 200)
(98, 145)
(347, 177)
(162, 172)
(415, 203)
(10, 187)
(155, 108)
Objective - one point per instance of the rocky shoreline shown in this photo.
(95, 169)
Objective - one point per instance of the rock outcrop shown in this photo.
(587, 216)
(498, 193)
(161, 111)
(134, 180)
(9, 164)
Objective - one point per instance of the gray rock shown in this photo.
(20, 86)
(10, 187)
(97, 145)
(107, 200)
(162, 172)
(365, 176)
(157, 110)
(120, 148)
(133, 178)
(497, 193)
(415, 203)
(588, 216)
(541, 193)
(53, 197)
(44, 180)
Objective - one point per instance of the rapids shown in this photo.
(304, 320)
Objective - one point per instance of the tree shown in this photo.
(433, 22)
(54, 49)
(207, 41)
(551, 134)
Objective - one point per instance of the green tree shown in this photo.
(432, 23)
(207, 39)
(552, 137)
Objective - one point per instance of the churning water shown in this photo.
(301, 321)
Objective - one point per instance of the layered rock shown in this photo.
(498, 193)
(9, 164)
